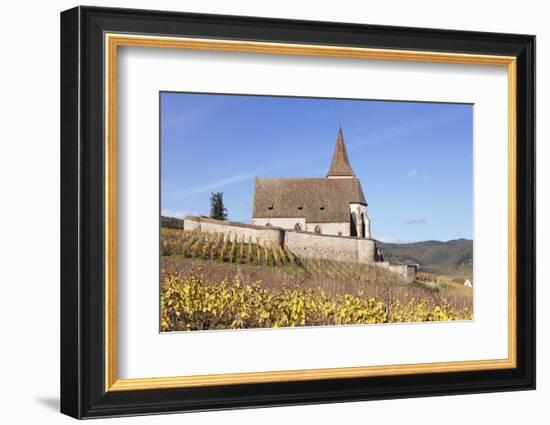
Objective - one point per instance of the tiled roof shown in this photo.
(319, 200)
(340, 162)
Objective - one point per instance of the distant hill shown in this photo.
(454, 257)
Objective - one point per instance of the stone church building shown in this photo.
(331, 205)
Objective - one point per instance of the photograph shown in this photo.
(280, 212)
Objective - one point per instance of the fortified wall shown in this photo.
(408, 271)
(303, 244)
(233, 230)
(345, 248)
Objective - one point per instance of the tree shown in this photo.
(217, 210)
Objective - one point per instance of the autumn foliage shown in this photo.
(191, 304)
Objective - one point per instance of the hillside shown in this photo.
(454, 257)
(211, 282)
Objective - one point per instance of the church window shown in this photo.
(322, 208)
(317, 229)
(270, 207)
(300, 208)
(297, 227)
(353, 224)
(268, 224)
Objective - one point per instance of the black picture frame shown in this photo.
(83, 392)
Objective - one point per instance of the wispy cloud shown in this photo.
(419, 220)
(214, 185)
(387, 239)
(372, 136)
(167, 212)
(391, 239)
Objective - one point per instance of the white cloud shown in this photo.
(391, 239)
(387, 239)
(412, 173)
(167, 212)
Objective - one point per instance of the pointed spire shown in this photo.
(340, 166)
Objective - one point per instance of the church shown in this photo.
(331, 205)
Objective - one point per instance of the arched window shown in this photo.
(362, 225)
(297, 227)
(268, 224)
(317, 229)
(353, 224)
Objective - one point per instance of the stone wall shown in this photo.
(260, 234)
(303, 244)
(329, 228)
(311, 245)
(407, 271)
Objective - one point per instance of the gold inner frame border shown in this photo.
(112, 41)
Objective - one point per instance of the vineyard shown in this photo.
(211, 281)
(189, 303)
(217, 247)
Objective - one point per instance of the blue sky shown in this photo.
(414, 159)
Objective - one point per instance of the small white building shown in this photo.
(334, 205)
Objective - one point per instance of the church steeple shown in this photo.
(340, 167)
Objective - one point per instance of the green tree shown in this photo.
(217, 210)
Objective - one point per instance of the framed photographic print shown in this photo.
(261, 212)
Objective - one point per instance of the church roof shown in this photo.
(340, 162)
(318, 200)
